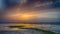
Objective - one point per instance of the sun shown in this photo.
(26, 16)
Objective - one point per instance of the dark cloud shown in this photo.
(12, 3)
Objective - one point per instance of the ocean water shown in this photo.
(50, 27)
(23, 31)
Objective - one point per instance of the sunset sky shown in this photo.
(29, 11)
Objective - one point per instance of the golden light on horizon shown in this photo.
(30, 16)
(20, 16)
(26, 16)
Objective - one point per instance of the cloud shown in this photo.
(41, 8)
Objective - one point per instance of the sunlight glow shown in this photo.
(21, 16)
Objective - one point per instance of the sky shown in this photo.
(29, 11)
